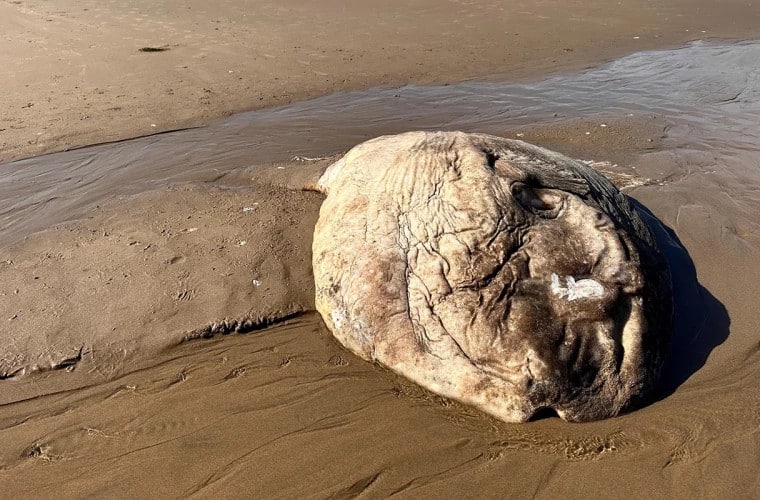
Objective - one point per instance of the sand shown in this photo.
(73, 72)
(163, 342)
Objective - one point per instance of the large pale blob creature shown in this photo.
(492, 272)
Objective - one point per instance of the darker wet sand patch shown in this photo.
(153, 49)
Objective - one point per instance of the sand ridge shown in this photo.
(148, 273)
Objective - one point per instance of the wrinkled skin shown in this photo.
(492, 272)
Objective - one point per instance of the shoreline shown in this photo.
(83, 79)
(541, 71)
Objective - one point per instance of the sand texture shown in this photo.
(158, 336)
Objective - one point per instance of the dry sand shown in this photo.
(109, 388)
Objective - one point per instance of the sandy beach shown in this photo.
(158, 328)
(82, 72)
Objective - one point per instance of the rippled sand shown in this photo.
(105, 395)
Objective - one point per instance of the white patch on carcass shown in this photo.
(581, 289)
(338, 316)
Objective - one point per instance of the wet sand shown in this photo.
(161, 340)
(285, 410)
